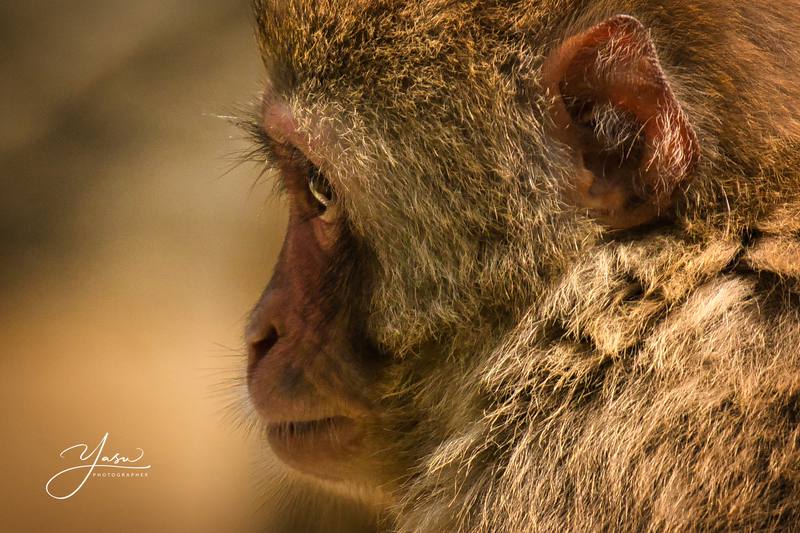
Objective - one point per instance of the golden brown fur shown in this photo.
(550, 374)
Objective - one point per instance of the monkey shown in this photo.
(542, 265)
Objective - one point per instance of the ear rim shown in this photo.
(672, 148)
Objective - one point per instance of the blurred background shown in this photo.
(130, 258)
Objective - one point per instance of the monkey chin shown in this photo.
(320, 448)
(316, 447)
(327, 453)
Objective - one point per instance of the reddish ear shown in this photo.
(613, 105)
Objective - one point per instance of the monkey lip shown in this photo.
(315, 446)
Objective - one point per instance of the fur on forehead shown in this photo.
(392, 117)
(344, 40)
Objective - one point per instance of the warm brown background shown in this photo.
(128, 260)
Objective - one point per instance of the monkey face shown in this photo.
(432, 202)
(308, 367)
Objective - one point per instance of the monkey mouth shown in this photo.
(317, 447)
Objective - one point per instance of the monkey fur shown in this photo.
(548, 373)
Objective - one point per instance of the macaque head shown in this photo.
(440, 170)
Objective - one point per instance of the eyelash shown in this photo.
(264, 150)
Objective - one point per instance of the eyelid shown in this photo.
(277, 154)
(271, 148)
(288, 158)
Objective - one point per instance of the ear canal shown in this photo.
(613, 105)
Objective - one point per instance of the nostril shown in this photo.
(259, 349)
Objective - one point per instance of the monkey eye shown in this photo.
(321, 189)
